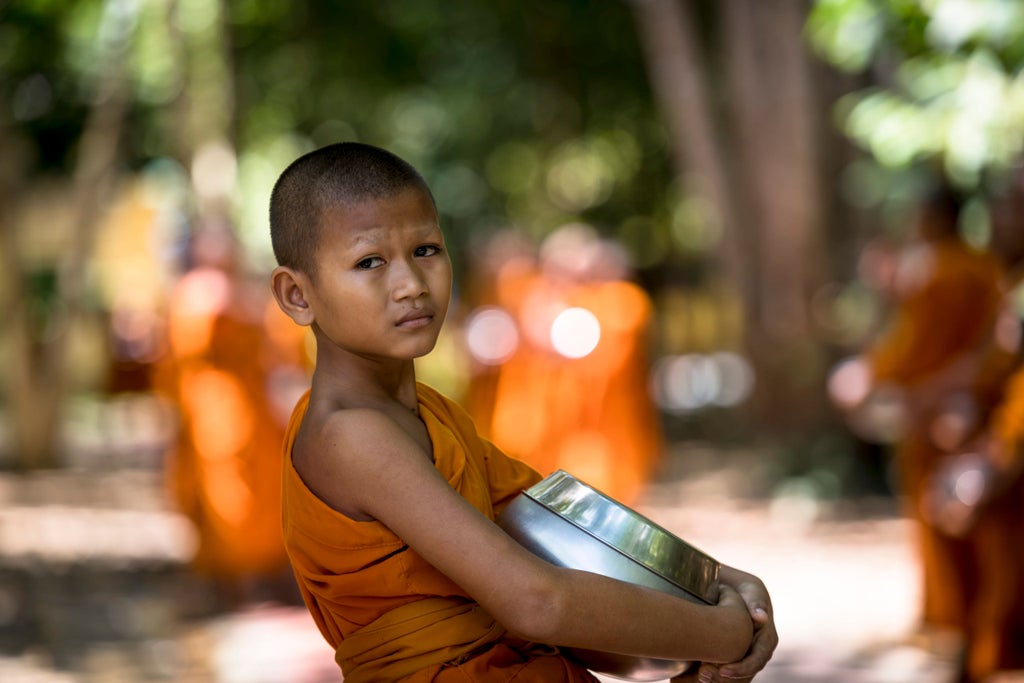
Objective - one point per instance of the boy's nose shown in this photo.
(410, 282)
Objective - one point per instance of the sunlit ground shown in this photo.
(91, 561)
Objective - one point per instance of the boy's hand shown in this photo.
(705, 673)
(708, 673)
(766, 638)
(757, 602)
(730, 598)
(751, 597)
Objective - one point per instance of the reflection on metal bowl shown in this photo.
(571, 524)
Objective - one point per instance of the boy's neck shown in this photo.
(366, 387)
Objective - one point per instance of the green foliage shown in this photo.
(525, 114)
(38, 96)
(948, 81)
(530, 116)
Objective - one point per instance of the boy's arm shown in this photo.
(369, 467)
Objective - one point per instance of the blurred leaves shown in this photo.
(531, 116)
(947, 80)
(525, 115)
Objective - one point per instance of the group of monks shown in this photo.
(945, 380)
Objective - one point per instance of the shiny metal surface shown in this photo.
(630, 533)
(571, 524)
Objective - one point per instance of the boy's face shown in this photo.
(383, 277)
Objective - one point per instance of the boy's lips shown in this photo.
(416, 319)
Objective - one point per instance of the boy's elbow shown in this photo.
(536, 613)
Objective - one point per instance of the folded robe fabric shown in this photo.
(389, 614)
(414, 637)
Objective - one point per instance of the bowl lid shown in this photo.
(628, 532)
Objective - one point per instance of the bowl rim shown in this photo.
(559, 487)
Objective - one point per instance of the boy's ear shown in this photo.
(288, 287)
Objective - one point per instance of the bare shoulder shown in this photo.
(368, 464)
(346, 455)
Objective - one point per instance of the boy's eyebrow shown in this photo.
(371, 236)
(367, 237)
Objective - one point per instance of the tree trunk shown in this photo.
(38, 382)
(678, 74)
(758, 169)
(206, 113)
(771, 108)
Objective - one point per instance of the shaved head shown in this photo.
(336, 175)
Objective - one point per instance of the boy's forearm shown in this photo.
(663, 626)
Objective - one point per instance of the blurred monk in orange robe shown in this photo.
(947, 300)
(235, 366)
(978, 496)
(574, 395)
(996, 630)
(504, 266)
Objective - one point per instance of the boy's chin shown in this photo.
(421, 351)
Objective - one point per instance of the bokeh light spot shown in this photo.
(491, 335)
(575, 332)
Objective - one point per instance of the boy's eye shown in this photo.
(370, 262)
(427, 250)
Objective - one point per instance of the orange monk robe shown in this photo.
(504, 267)
(948, 298)
(591, 416)
(388, 613)
(604, 425)
(224, 472)
(518, 417)
(505, 290)
(995, 640)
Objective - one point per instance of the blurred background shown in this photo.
(673, 223)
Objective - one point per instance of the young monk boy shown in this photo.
(389, 493)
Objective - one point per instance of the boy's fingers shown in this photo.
(729, 595)
(760, 652)
(755, 597)
(707, 673)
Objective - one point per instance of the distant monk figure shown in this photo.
(574, 394)
(234, 369)
(947, 298)
(978, 495)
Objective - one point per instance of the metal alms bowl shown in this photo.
(573, 525)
